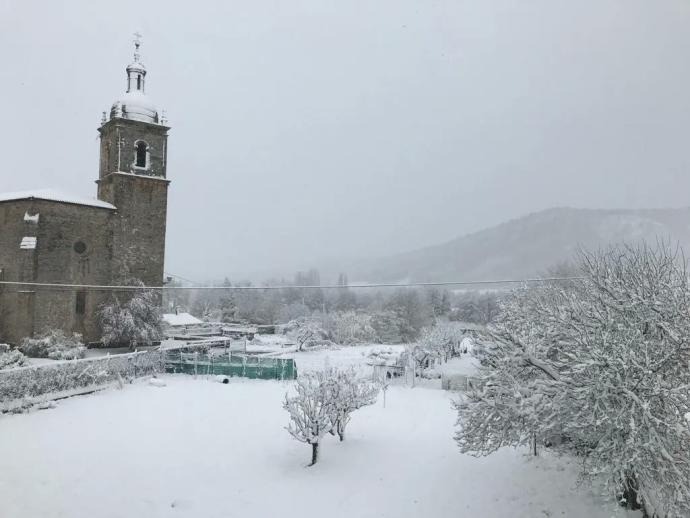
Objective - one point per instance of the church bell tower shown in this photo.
(133, 177)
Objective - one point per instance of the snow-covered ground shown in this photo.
(353, 356)
(196, 448)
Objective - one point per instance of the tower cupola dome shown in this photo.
(134, 104)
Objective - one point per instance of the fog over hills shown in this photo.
(526, 246)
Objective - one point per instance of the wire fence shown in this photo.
(229, 364)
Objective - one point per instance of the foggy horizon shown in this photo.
(302, 134)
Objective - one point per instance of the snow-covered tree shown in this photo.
(310, 409)
(308, 333)
(347, 392)
(350, 327)
(388, 326)
(443, 339)
(137, 321)
(324, 403)
(599, 368)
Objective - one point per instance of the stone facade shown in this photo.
(138, 230)
(88, 242)
(57, 258)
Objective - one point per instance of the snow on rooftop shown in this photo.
(54, 195)
(180, 319)
(28, 243)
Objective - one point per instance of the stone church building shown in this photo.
(50, 237)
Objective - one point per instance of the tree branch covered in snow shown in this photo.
(324, 403)
(599, 368)
(137, 321)
(347, 392)
(311, 416)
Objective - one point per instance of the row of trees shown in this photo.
(398, 315)
(323, 403)
(598, 368)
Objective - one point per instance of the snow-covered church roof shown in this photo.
(55, 195)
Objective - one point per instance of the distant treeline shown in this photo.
(398, 314)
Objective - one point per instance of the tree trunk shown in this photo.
(314, 453)
(341, 432)
(534, 444)
(629, 496)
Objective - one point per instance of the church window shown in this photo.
(138, 82)
(80, 247)
(80, 307)
(141, 158)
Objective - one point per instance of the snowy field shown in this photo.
(196, 448)
(343, 357)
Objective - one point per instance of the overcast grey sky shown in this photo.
(305, 130)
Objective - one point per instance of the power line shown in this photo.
(97, 287)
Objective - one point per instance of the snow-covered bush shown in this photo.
(350, 327)
(138, 321)
(55, 344)
(21, 387)
(311, 414)
(601, 365)
(10, 357)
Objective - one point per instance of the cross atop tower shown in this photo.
(137, 44)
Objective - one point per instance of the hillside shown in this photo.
(527, 246)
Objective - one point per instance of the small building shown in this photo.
(177, 320)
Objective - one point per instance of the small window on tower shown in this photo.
(81, 303)
(141, 152)
(138, 82)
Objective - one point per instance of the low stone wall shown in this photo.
(25, 386)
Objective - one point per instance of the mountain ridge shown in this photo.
(527, 245)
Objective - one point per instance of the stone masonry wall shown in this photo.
(138, 229)
(28, 311)
(130, 132)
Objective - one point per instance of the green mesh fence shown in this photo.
(244, 366)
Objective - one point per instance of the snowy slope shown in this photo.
(528, 245)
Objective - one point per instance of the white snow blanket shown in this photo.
(198, 448)
(181, 319)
